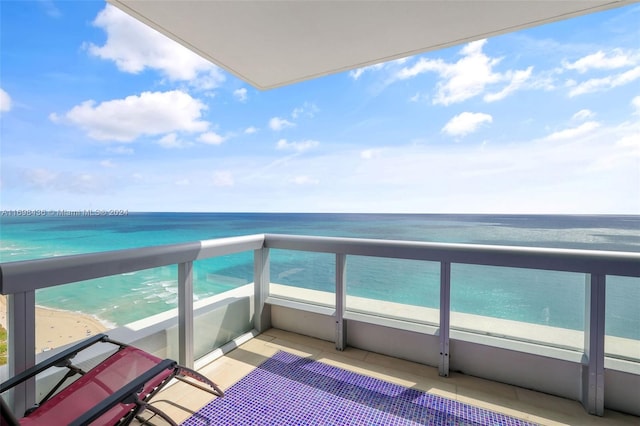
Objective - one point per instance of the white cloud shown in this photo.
(77, 182)
(151, 113)
(604, 83)
(211, 138)
(307, 109)
(250, 130)
(631, 141)
(583, 114)
(389, 65)
(277, 123)
(574, 132)
(240, 94)
(300, 146)
(635, 103)
(465, 123)
(50, 8)
(516, 80)
(600, 60)
(40, 177)
(134, 47)
(418, 97)
(5, 101)
(108, 164)
(560, 177)
(626, 148)
(357, 73)
(423, 65)
(304, 180)
(121, 150)
(171, 141)
(368, 154)
(223, 178)
(522, 176)
(468, 77)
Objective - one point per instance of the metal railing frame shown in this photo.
(20, 280)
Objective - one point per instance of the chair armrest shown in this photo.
(50, 362)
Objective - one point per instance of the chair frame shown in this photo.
(127, 394)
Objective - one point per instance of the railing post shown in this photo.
(593, 372)
(21, 315)
(185, 314)
(341, 300)
(445, 314)
(261, 280)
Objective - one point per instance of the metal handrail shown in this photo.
(569, 260)
(29, 275)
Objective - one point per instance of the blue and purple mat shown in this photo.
(290, 390)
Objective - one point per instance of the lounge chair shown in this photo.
(116, 391)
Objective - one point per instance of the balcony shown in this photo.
(181, 400)
(503, 364)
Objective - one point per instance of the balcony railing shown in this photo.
(20, 280)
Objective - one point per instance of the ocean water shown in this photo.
(540, 297)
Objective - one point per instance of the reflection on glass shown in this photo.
(516, 300)
(622, 318)
(308, 277)
(395, 288)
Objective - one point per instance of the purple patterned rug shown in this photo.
(290, 390)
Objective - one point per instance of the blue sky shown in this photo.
(100, 112)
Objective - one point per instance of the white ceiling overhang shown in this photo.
(271, 43)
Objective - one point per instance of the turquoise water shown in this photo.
(540, 297)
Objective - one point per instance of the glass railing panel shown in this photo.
(622, 318)
(72, 312)
(219, 274)
(394, 288)
(532, 305)
(221, 316)
(303, 276)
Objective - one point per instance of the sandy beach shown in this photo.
(57, 327)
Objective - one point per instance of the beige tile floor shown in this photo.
(181, 400)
